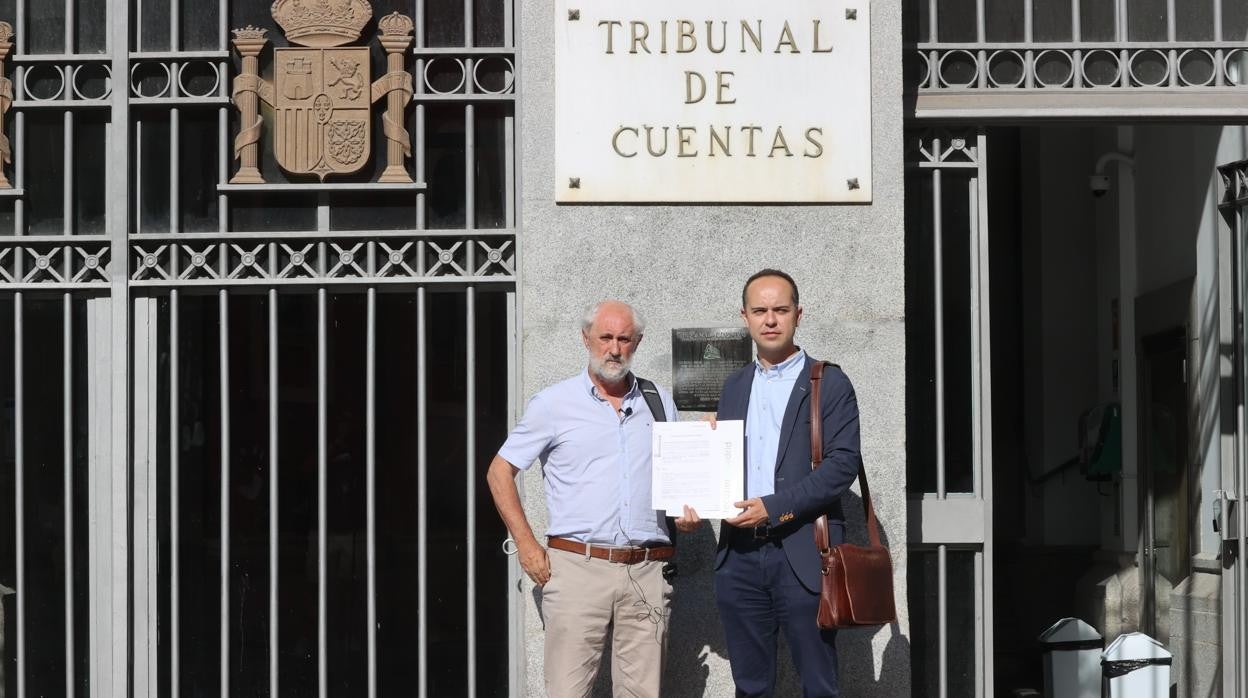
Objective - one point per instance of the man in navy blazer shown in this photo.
(767, 574)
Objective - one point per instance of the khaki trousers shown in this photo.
(584, 598)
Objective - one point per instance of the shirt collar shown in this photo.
(789, 368)
(592, 389)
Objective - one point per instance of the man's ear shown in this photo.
(585, 339)
(744, 320)
(637, 342)
(797, 319)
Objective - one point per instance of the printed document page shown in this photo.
(698, 466)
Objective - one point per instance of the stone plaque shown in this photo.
(701, 359)
(713, 101)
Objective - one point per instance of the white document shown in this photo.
(698, 466)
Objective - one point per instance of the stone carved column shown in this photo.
(396, 36)
(6, 101)
(248, 42)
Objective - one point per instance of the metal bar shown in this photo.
(471, 475)
(942, 618)
(515, 602)
(470, 161)
(981, 596)
(273, 496)
(938, 296)
(973, 303)
(422, 531)
(139, 174)
(322, 670)
(67, 434)
(19, 487)
(468, 27)
(175, 166)
(933, 18)
(1029, 21)
(223, 347)
(370, 466)
(67, 179)
(175, 25)
(175, 528)
(1076, 20)
(985, 399)
(114, 679)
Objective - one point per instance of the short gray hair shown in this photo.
(591, 312)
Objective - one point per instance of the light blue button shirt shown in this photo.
(596, 461)
(769, 396)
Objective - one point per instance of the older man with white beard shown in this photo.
(606, 548)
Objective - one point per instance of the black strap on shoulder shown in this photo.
(653, 401)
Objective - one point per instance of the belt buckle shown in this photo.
(761, 532)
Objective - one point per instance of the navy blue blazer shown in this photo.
(803, 494)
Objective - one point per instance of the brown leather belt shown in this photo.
(623, 554)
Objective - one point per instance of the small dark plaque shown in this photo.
(701, 359)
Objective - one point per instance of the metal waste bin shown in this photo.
(1072, 659)
(1136, 666)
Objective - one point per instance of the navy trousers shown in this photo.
(759, 596)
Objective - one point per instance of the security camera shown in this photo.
(1099, 184)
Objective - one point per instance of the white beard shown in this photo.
(610, 372)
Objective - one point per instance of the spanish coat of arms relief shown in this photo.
(322, 92)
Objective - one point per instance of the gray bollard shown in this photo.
(1136, 666)
(1072, 660)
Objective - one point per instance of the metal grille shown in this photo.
(948, 396)
(1077, 58)
(271, 401)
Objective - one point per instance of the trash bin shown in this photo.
(1072, 660)
(1136, 666)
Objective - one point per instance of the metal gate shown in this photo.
(244, 423)
(949, 413)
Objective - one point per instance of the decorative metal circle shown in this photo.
(1047, 60)
(1202, 59)
(1145, 61)
(926, 75)
(296, 258)
(1007, 57)
(139, 73)
(43, 78)
(396, 257)
(1235, 67)
(463, 76)
(1100, 54)
(509, 75)
(197, 73)
(962, 58)
(249, 259)
(92, 262)
(346, 258)
(958, 143)
(43, 262)
(150, 260)
(446, 257)
(198, 260)
(95, 71)
(495, 256)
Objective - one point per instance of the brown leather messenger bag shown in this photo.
(857, 582)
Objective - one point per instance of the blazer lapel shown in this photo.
(800, 393)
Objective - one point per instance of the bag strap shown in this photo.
(816, 457)
(653, 401)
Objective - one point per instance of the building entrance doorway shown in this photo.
(1074, 369)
